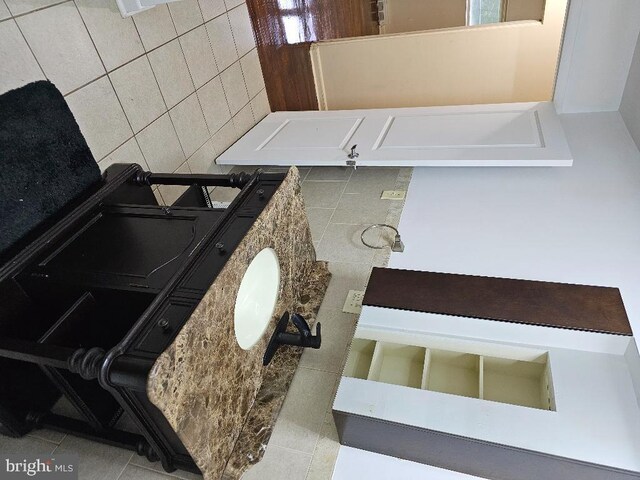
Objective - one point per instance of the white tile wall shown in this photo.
(130, 82)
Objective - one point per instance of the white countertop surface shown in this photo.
(576, 225)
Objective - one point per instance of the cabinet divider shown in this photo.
(375, 359)
(425, 371)
(481, 373)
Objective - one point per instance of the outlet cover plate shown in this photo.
(393, 195)
(353, 303)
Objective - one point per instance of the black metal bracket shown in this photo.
(302, 339)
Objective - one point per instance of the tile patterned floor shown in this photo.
(304, 445)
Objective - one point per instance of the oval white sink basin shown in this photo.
(256, 298)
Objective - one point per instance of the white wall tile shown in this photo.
(17, 64)
(116, 38)
(241, 28)
(100, 117)
(18, 7)
(252, 72)
(189, 124)
(160, 146)
(138, 91)
(155, 26)
(171, 71)
(219, 31)
(203, 159)
(234, 88)
(4, 11)
(214, 104)
(186, 15)
(200, 60)
(62, 46)
(260, 106)
(129, 152)
(243, 121)
(212, 8)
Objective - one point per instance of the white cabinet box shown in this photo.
(495, 399)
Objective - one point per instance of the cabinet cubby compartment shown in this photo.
(520, 382)
(453, 372)
(359, 359)
(398, 364)
(517, 382)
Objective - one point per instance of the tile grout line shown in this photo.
(34, 10)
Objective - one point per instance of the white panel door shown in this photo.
(516, 134)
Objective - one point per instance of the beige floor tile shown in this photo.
(225, 137)
(322, 194)
(241, 29)
(19, 66)
(359, 212)
(156, 467)
(300, 420)
(133, 472)
(129, 152)
(190, 124)
(160, 146)
(100, 116)
(221, 38)
(4, 11)
(48, 435)
(61, 44)
(344, 277)
(197, 50)
(18, 7)
(326, 453)
(186, 15)
(97, 461)
(138, 92)
(212, 8)
(330, 173)
(115, 38)
(26, 444)
(337, 331)
(155, 27)
(214, 105)
(203, 159)
(318, 221)
(171, 71)
(279, 464)
(243, 120)
(234, 88)
(370, 183)
(341, 243)
(224, 194)
(252, 73)
(260, 105)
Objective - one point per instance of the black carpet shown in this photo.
(45, 162)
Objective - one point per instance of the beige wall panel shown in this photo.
(509, 62)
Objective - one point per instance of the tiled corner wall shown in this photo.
(170, 88)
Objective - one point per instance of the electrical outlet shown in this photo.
(353, 303)
(393, 195)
